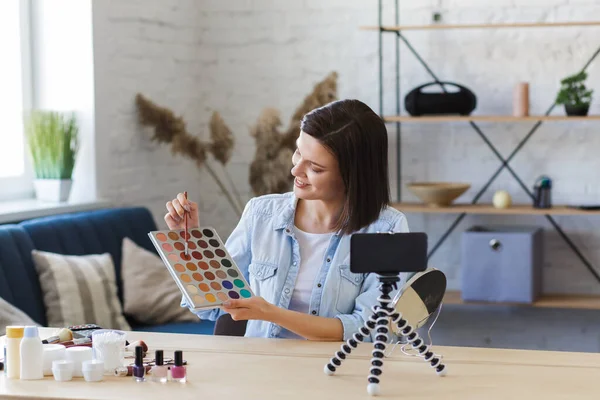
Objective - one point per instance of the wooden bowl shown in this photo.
(438, 194)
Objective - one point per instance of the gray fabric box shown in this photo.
(502, 264)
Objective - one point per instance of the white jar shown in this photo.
(12, 357)
(32, 354)
(62, 370)
(93, 370)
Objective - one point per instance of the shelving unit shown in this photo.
(398, 28)
(489, 118)
(516, 209)
(547, 301)
(473, 120)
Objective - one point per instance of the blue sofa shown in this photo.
(89, 232)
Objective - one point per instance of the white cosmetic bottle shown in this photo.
(32, 354)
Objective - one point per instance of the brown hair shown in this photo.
(358, 139)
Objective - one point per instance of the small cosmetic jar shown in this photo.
(62, 370)
(78, 355)
(93, 370)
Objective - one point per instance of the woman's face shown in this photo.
(316, 171)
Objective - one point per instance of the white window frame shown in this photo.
(21, 187)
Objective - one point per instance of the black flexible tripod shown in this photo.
(380, 318)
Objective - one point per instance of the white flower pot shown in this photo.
(52, 190)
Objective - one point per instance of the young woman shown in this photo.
(294, 248)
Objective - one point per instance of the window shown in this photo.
(15, 97)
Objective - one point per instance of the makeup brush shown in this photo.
(185, 215)
(63, 335)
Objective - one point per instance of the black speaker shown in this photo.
(461, 102)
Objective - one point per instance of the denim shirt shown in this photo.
(265, 250)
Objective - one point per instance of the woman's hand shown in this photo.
(176, 210)
(255, 308)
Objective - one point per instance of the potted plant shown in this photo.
(52, 139)
(574, 95)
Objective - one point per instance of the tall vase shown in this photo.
(521, 99)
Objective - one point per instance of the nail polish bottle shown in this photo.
(178, 373)
(160, 371)
(138, 368)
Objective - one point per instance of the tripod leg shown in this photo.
(351, 343)
(417, 343)
(379, 345)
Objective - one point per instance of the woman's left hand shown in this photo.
(255, 308)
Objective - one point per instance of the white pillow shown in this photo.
(79, 290)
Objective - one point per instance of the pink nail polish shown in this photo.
(160, 371)
(178, 372)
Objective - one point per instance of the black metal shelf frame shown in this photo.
(504, 161)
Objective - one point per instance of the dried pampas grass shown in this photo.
(171, 129)
(270, 169)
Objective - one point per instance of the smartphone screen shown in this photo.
(388, 253)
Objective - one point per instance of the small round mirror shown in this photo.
(418, 299)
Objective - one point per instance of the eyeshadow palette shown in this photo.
(207, 276)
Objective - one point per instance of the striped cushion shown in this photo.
(79, 290)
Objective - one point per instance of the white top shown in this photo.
(313, 247)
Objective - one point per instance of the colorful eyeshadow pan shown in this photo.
(207, 276)
(221, 275)
(204, 266)
(220, 253)
(197, 277)
(222, 296)
(211, 297)
(191, 266)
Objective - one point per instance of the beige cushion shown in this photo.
(150, 294)
(11, 315)
(79, 290)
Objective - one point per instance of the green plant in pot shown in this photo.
(574, 95)
(52, 139)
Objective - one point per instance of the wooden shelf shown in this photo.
(490, 209)
(488, 118)
(481, 26)
(546, 301)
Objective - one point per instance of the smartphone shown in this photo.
(388, 253)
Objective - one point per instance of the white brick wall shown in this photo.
(239, 57)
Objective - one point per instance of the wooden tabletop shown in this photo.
(249, 368)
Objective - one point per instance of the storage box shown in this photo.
(502, 264)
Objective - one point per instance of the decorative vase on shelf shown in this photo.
(52, 190)
(53, 145)
(580, 111)
(521, 99)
